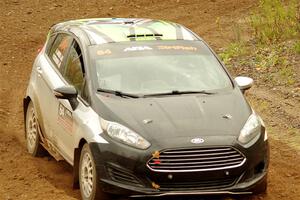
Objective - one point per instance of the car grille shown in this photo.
(122, 176)
(200, 185)
(196, 159)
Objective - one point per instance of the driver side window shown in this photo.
(74, 70)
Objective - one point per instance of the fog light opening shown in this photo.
(259, 168)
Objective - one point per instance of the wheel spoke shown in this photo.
(89, 186)
(31, 130)
(87, 174)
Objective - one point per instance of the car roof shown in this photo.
(112, 30)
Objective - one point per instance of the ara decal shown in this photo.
(137, 48)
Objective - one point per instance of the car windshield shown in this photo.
(151, 69)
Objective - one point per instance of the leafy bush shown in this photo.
(274, 20)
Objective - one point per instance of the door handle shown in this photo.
(39, 71)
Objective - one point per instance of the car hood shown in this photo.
(167, 117)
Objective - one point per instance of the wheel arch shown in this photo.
(26, 102)
(77, 152)
(32, 96)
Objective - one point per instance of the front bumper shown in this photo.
(123, 170)
(239, 189)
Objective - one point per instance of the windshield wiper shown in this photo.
(117, 93)
(177, 92)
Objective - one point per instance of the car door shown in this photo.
(49, 67)
(69, 120)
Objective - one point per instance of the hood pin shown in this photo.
(227, 116)
(147, 121)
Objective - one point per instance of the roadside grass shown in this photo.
(234, 49)
(297, 47)
(270, 53)
(275, 20)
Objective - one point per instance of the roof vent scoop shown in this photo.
(144, 35)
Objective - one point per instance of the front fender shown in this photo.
(87, 126)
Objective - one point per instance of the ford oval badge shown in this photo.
(197, 140)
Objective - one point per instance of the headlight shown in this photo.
(251, 129)
(125, 135)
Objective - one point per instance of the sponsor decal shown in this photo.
(137, 48)
(64, 44)
(65, 118)
(57, 57)
(176, 47)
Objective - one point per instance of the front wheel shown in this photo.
(33, 142)
(90, 188)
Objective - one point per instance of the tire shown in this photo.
(90, 188)
(33, 141)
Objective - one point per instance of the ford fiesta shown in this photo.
(143, 107)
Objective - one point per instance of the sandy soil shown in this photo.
(24, 24)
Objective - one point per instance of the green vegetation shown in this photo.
(274, 21)
(233, 50)
(274, 43)
(297, 47)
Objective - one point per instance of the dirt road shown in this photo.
(24, 24)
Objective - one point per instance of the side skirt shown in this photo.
(50, 147)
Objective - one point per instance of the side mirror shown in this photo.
(69, 93)
(244, 83)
